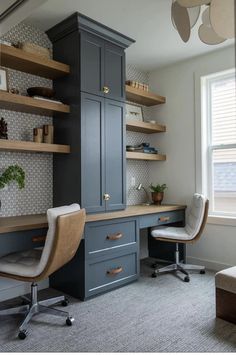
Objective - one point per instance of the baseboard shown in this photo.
(11, 288)
(209, 264)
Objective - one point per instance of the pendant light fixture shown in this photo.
(218, 22)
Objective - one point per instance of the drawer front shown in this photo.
(109, 236)
(108, 274)
(159, 219)
(22, 240)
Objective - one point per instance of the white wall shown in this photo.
(217, 247)
(19, 14)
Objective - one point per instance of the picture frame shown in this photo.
(133, 112)
(3, 79)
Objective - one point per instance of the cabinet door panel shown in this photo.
(115, 72)
(92, 153)
(115, 154)
(92, 64)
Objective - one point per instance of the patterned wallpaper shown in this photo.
(137, 168)
(37, 195)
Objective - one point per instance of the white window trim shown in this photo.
(202, 165)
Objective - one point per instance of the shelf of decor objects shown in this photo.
(27, 104)
(145, 156)
(23, 146)
(18, 59)
(144, 127)
(142, 97)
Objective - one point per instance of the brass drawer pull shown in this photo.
(38, 239)
(114, 272)
(115, 236)
(164, 219)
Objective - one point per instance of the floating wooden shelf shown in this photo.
(22, 146)
(27, 104)
(145, 156)
(143, 97)
(144, 127)
(18, 59)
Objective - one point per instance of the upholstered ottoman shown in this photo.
(225, 282)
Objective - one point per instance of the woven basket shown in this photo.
(35, 49)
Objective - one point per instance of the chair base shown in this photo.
(178, 266)
(35, 307)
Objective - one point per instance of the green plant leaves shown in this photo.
(13, 173)
(158, 187)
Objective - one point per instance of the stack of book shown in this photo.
(142, 148)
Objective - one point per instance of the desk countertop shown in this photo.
(21, 223)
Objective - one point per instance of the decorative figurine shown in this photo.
(3, 129)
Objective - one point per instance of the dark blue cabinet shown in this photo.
(94, 173)
(114, 71)
(92, 153)
(92, 64)
(102, 67)
(115, 160)
(102, 154)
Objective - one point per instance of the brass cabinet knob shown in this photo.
(106, 197)
(106, 89)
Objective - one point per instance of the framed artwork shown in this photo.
(3, 79)
(134, 112)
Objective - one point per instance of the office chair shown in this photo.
(195, 223)
(66, 225)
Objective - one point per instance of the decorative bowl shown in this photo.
(41, 91)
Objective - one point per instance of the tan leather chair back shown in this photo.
(69, 232)
(203, 223)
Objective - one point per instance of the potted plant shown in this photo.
(157, 193)
(12, 173)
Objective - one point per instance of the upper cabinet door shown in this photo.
(92, 153)
(114, 80)
(92, 64)
(115, 155)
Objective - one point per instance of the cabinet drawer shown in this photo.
(159, 219)
(109, 236)
(104, 275)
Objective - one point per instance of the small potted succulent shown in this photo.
(12, 173)
(157, 193)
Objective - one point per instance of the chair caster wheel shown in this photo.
(65, 302)
(186, 279)
(22, 334)
(69, 321)
(154, 275)
(202, 272)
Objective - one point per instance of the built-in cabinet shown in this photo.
(102, 67)
(94, 175)
(102, 154)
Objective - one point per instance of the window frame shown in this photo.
(203, 168)
(207, 82)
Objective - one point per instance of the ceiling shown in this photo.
(146, 21)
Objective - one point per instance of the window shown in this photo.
(219, 131)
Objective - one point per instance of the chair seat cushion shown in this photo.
(24, 263)
(226, 279)
(175, 233)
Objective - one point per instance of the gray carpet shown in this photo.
(151, 315)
